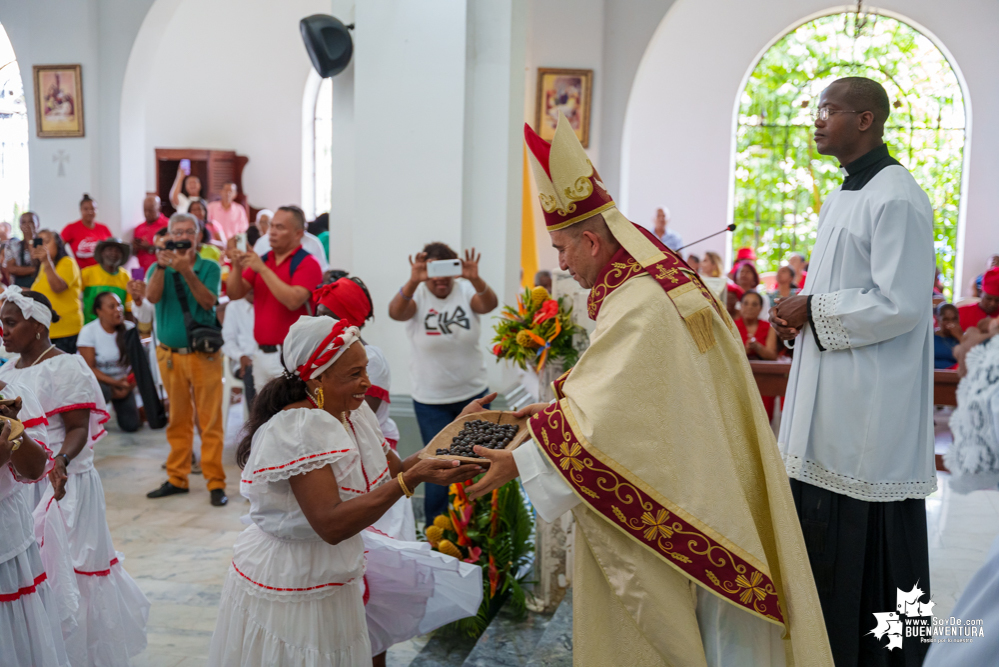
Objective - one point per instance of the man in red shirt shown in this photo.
(83, 235)
(282, 281)
(987, 307)
(144, 235)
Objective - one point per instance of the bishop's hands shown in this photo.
(789, 316)
(503, 467)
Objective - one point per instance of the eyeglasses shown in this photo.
(185, 232)
(823, 113)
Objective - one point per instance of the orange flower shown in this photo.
(493, 576)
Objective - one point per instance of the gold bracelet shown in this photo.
(405, 489)
(16, 445)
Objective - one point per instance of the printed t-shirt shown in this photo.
(170, 328)
(66, 303)
(146, 231)
(97, 280)
(83, 241)
(446, 364)
(271, 319)
(106, 351)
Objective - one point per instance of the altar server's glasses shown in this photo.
(823, 113)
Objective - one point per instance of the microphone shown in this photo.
(730, 228)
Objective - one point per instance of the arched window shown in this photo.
(323, 148)
(13, 137)
(781, 182)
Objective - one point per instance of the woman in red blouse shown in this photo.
(753, 330)
(83, 235)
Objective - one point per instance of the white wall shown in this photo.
(98, 35)
(678, 133)
(564, 33)
(222, 74)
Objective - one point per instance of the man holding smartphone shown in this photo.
(441, 304)
(144, 235)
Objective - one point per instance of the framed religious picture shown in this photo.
(58, 101)
(569, 91)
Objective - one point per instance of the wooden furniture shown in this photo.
(771, 378)
(214, 168)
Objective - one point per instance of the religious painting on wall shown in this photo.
(569, 91)
(58, 101)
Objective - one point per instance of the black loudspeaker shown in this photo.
(328, 42)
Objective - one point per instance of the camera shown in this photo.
(36, 242)
(178, 245)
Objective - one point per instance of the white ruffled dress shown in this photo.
(30, 629)
(292, 599)
(103, 612)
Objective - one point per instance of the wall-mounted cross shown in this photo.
(61, 157)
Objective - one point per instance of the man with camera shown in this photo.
(184, 288)
(282, 280)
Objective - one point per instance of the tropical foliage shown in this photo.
(495, 533)
(538, 330)
(781, 182)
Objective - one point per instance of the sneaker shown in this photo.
(219, 498)
(195, 468)
(167, 489)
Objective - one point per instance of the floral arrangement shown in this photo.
(494, 533)
(537, 330)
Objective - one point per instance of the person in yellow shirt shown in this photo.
(108, 275)
(60, 281)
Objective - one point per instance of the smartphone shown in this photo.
(185, 166)
(138, 274)
(241, 242)
(37, 242)
(444, 268)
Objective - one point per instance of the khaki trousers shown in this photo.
(193, 384)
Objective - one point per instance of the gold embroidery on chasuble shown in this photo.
(653, 522)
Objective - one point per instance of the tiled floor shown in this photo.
(178, 548)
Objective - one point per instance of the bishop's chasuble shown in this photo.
(688, 547)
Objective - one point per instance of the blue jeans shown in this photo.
(432, 420)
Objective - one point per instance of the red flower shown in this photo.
(548, 310)
(498, 349)
(474, 554)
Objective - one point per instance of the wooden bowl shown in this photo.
(16, 427)
(443, 439)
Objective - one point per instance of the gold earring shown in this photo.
(319, 398)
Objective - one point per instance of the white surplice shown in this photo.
(730, 635)
(858, 415)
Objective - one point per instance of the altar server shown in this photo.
(857, 429)
(318, 473)
(687, 547)
(109, 623)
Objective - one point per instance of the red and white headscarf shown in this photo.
(314, 343)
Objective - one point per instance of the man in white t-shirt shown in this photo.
(447, 365)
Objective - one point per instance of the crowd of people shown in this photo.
(330, 564)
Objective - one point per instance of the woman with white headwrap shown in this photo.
(317, 473)
(30, 615)
(108, 623)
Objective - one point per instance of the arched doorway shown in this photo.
(780, 181)
(13, 137)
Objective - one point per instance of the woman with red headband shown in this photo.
(317, 473)
(348, 299)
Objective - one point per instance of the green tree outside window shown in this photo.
(780, 180)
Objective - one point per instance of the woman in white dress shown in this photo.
(109, 624)
(30, 631)
(318, 473)
(396, 560)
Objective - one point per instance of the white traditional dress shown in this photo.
(30, 627)
(109, 622)
(973, 459)
(292, 599)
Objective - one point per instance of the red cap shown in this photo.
(745, 253)
(346, 299)
(990, 282)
